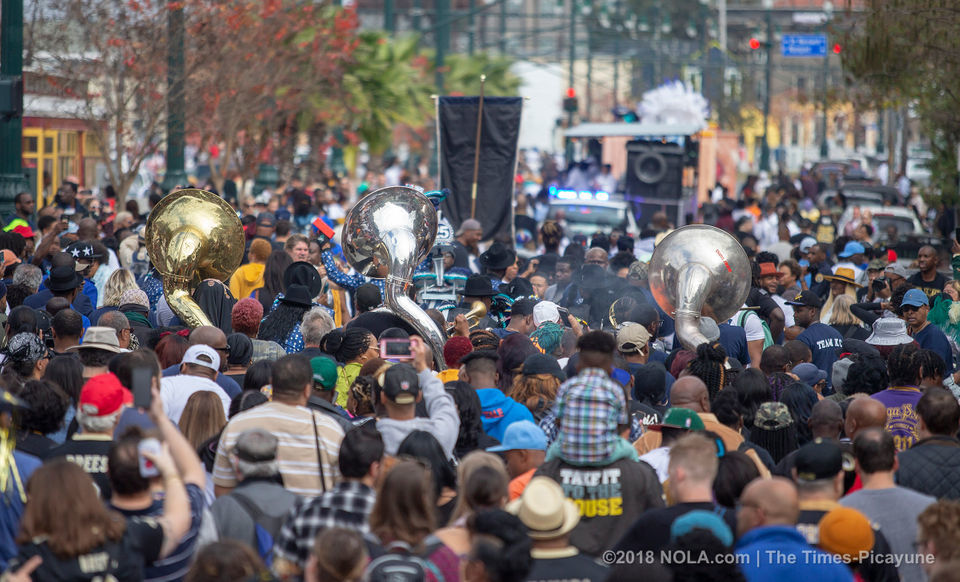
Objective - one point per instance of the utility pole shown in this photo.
(768, 74)
(824, 146)
(589, 104)
(502, 41)
(573, 53)
(176, 101)
(12, 180)
(442, 35)
(616, 56)
(471, 28)
(389, 21)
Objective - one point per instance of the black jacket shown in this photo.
(932, 467)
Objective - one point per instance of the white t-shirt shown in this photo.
(752, 326)
(787, 310)
(176, 390)
(659, 459)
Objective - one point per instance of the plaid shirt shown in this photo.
(347, 505)
(589, 407)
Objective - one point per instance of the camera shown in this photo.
(879, 284)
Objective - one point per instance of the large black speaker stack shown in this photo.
(654, 170)
(655, 180)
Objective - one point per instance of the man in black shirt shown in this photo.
(102, 401)
(550, 517)
(692, 469)
(928, 279)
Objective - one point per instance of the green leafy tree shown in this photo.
(907, 53)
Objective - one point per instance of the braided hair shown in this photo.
(709, 367)
(346, 345)
(901, 367)
(484, 339)
(929, 364)
(281, 321)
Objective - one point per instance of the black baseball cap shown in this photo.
(266, 219)
(400, 384)
(806, 298)
(820, 459)
(543, 364)
(523, 307)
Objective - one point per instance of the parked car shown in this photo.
(904, 220)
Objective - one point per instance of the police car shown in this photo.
(587, 212)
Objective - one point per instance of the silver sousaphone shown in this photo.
(697, 267)
(395, 227)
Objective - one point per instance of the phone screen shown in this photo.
(396, 349)
(141, 381)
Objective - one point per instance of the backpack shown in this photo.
(265, 527)
(400, 564)
(767, 336)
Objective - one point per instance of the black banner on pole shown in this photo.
(457, 121)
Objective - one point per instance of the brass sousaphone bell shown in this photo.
(192, 235)
(394, 227)
(699, 266)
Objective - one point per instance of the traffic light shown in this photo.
(570, 104)
(837, 48)
(754, 43)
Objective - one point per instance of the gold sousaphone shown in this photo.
(193, 235)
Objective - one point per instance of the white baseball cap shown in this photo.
(202, 355)
(545, 311)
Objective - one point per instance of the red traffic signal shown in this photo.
(837, 48)
(754, 43)
(571, 93)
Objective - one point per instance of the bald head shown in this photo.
(690, 392)
(767, 502)
(87, 229)
(864, 412)
(826, 419)
(211, 336)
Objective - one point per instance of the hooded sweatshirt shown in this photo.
(498, 411)
(443, 420)
(246, 279)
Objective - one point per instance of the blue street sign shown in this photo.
(804, 45)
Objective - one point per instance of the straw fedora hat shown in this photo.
(544, 509)
(845, 275)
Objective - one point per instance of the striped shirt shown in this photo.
(296, 449)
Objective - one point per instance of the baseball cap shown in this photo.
(806, 243)
(772, 416)
(521, 435)
(103, 395)
(266, 219)
(852, 248)
(545, 311)
(807, 298)
(820, 459)
(543, 364)
(876, 265)
(632, 337)
(324, 372)
(202, 355)
(897, 269)
(400, 384)
(809, 374)
(915, 297)
(680, 418)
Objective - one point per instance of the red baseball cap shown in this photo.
(24, 231)
(103, 395)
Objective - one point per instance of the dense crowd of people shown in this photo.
(310, 433)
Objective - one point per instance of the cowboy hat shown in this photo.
(545, 510)
(844, 275)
